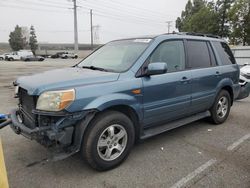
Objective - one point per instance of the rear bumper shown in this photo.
(236, 90)
(244, 91)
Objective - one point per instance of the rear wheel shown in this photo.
(1, 58)
(11, 59)
(108, 141)
(221, 107)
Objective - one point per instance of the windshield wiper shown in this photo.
(96, 68)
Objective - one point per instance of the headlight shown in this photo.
(55, 100)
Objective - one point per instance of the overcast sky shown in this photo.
(53, 19)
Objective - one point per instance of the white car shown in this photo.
(18, 55)
(67, 55)
(2, 57)
(244, 81)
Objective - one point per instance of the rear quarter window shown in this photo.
(225, 53)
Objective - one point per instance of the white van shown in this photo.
(18, 55)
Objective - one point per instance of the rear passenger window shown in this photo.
(198, 54)
(226, 55)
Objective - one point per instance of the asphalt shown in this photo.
(195, 155)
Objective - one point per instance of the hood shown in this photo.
(64, 79)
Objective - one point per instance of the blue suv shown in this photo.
(125, 91)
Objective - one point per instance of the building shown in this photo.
(241, 54)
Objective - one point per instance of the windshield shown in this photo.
(117, 56)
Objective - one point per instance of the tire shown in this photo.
(221, 108)
(27, 60)
(97, 152)
(11, 59)
(76, 57)
(1, 59)
(41, 59)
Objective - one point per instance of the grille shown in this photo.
(27, 104)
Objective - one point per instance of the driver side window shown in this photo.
(172, 53)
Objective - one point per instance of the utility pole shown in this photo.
(75, 27)
(169, 25)
(91, 27)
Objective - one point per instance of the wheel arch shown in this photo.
(229, 89)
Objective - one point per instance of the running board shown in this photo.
(174, 124)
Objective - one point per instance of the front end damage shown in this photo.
(60, 132)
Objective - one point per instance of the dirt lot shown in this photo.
(196, 155)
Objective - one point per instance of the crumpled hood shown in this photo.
(64, 79)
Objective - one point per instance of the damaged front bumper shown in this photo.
(61, 133)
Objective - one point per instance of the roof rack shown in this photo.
(197, 34)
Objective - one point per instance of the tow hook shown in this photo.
(4, 120)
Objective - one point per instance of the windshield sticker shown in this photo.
(143, 40)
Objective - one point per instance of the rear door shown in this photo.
(205, 74)
(167, 96)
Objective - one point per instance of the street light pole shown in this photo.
(91, 28)
(75, 27)
(169, 25)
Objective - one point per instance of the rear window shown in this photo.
(198, 54)
(226, 55)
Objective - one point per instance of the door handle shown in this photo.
(184, 80)
(217, 73)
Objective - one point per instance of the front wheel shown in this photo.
(221, 107)
(108, 141)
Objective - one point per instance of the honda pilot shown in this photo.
(125, 91)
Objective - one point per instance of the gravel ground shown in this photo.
(195, 155)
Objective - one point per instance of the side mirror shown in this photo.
(156, 68)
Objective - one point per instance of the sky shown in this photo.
(53, 19)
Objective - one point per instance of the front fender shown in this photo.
(103, 102)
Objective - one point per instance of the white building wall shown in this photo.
(241, 54)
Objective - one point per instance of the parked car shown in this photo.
(2, 57)
(69, 55)
(244, 81)
(57, 55)
(32, 58)
(127, 90)
(18, 55)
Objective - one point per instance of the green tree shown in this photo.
(33, 40)
(16, 39)
(199, 16)
(240, 22)
(223, 8)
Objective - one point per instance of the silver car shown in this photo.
(32, 58)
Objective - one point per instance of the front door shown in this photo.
(167, 96)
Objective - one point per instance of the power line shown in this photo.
(117, 11)
(32, 8)
(123, 19)
(41, 4)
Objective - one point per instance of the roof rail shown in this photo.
(197, 34)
